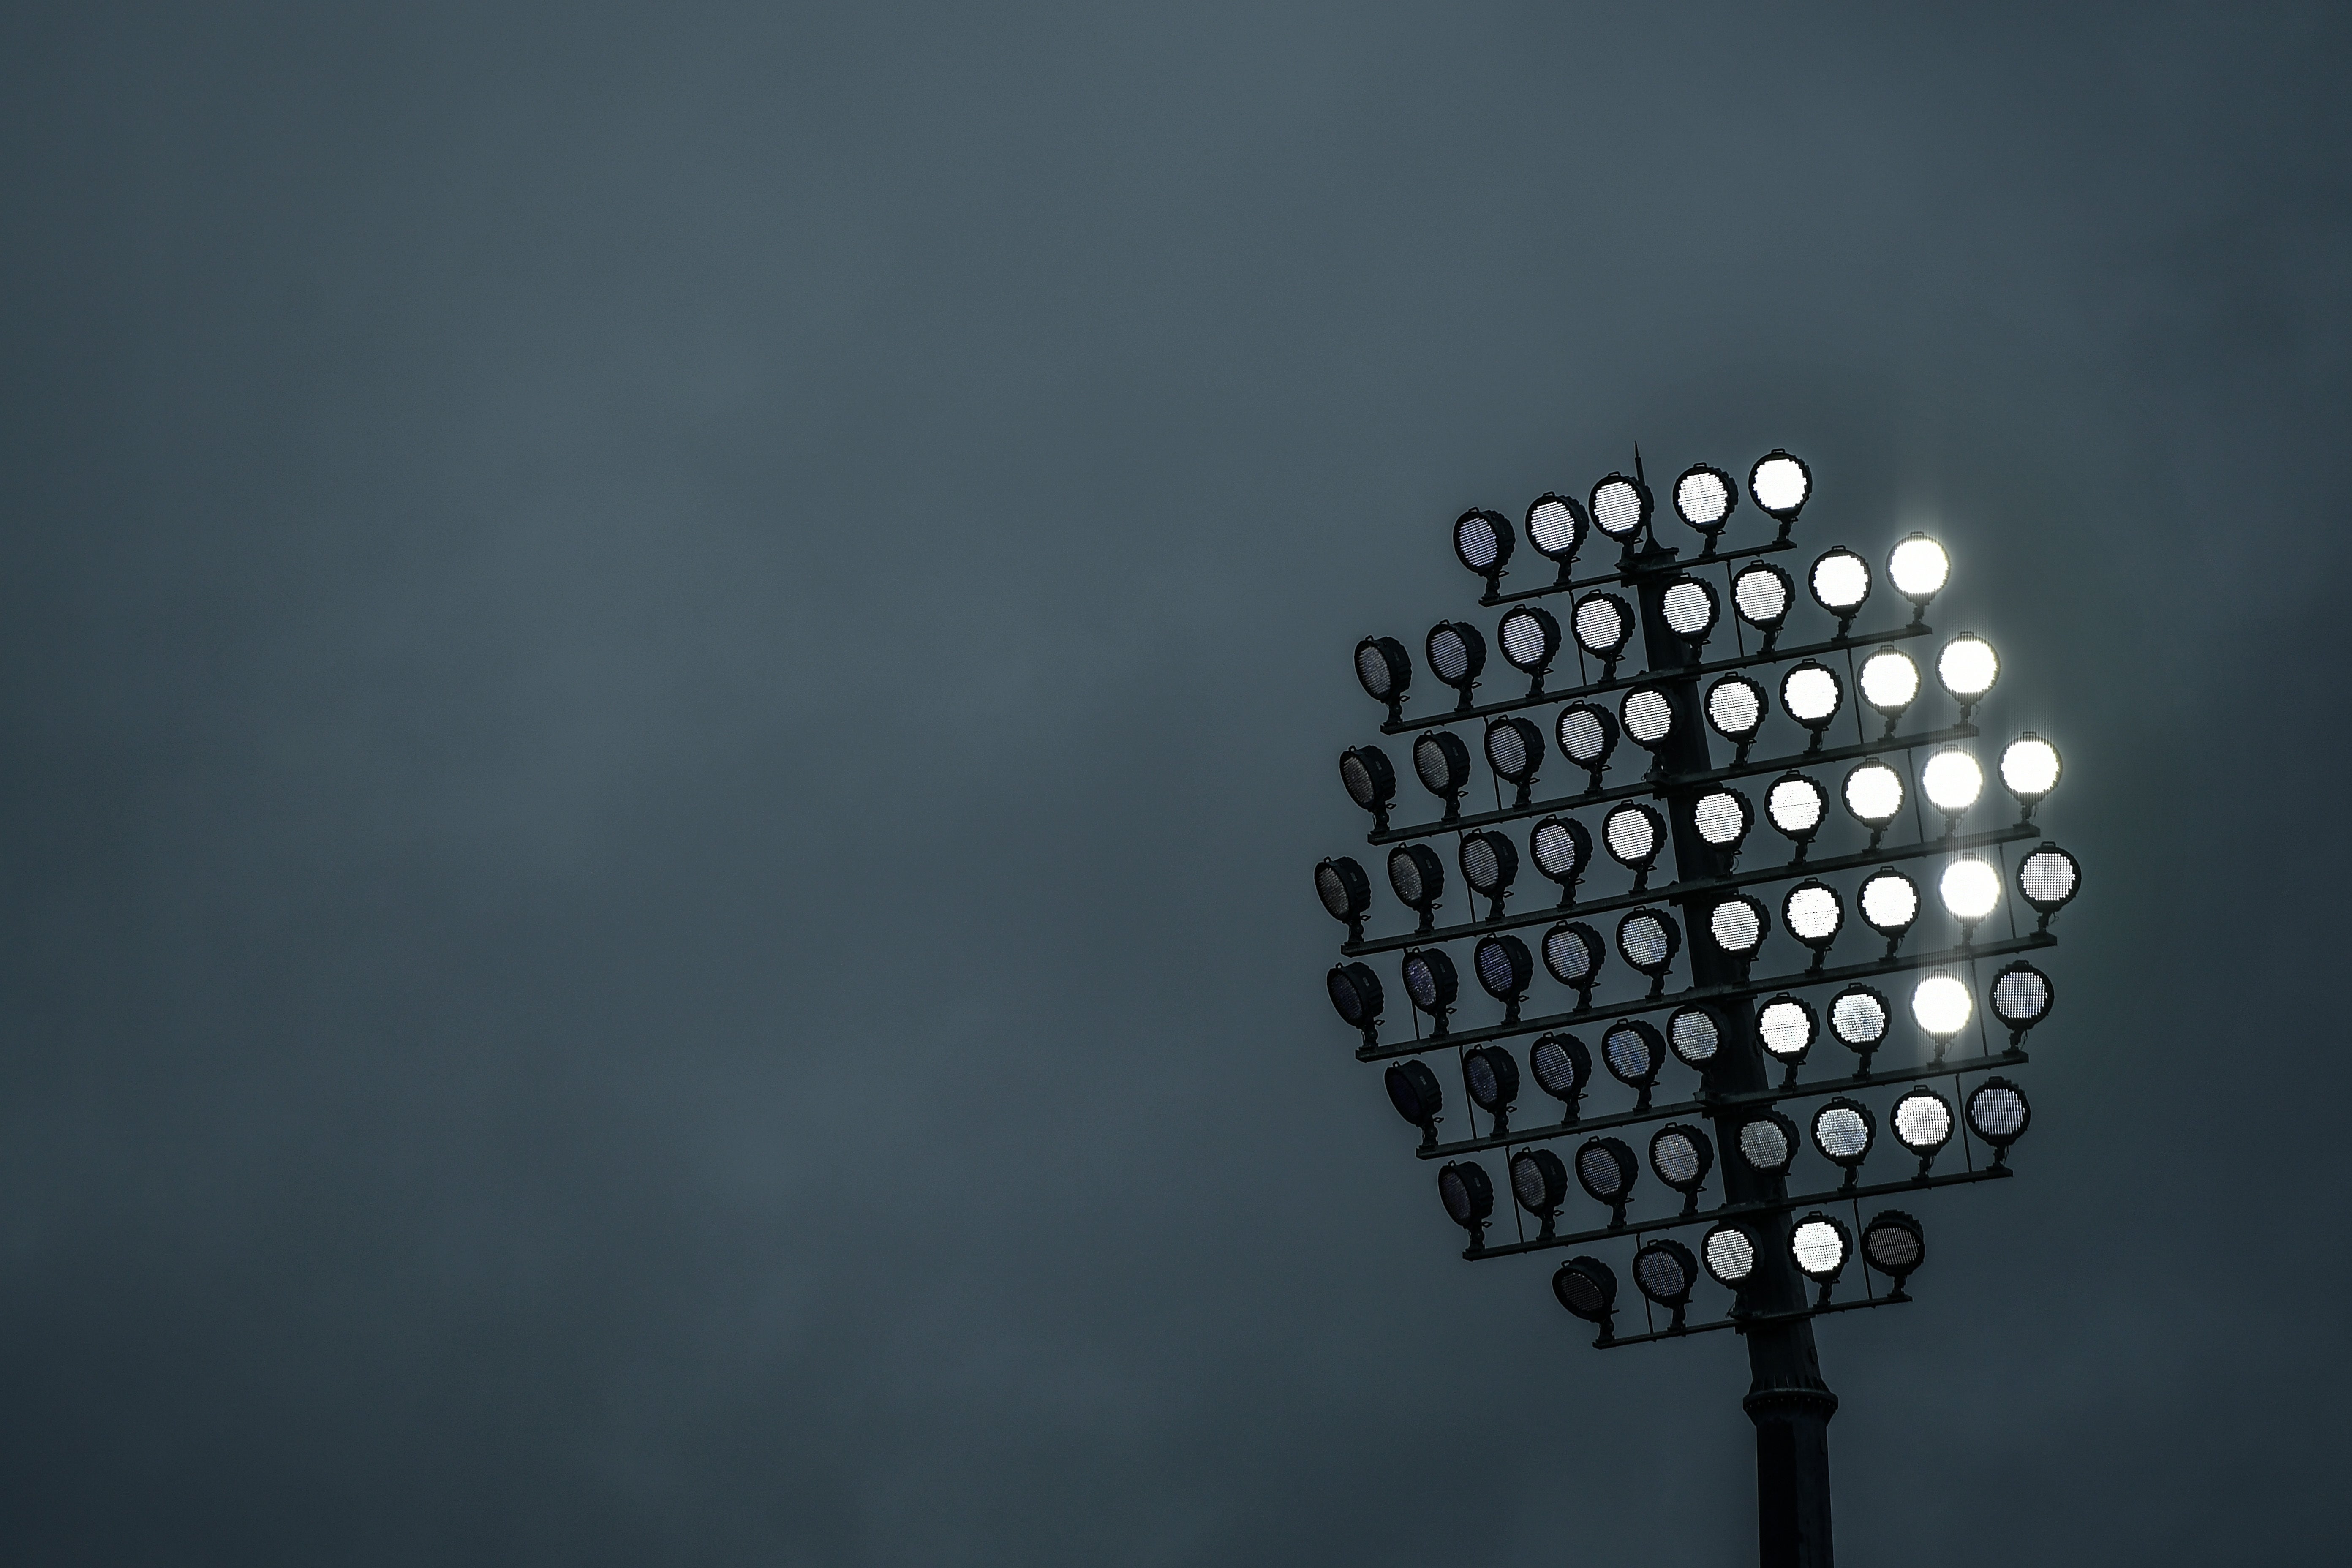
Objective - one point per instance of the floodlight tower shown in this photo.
(1775, 1239)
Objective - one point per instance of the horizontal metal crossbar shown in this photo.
(1750, 1321)
(1698, 888)
(1707, 1105)
(1797, 981)
(1625, 682)
(1742, 1211)
(1653, 786)
(1629, 573)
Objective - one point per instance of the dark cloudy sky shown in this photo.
(668, 676)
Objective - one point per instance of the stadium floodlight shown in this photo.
(1587, 734)
(1762, 595)
(1890, 903)
(1356, 997)
(1385, 672)
(1515, 749)
(1968, 667)
(1468, 1194)
(1432, 984)
(1691, 609)
(1704, 498)
(1889, 681)
(1370, 779)
(1722, 817)
(1572, 954)
(1490, 863)
(1860, 1017)
(1894, 1244)
(1821, 1246)
(1735, 710)
(1923, 1123)
(1562, 1067)
(1730, 1255)
(1919, 568)
(1492, 1077)
(1417, 877)
(1840, 581)
(1647, 940)
(1787, 1026)
(1811, 694)
(1844, 1131)
(1588, 1288)
(1602, 624)
(1796, 804)
(1442, 762)
(1767, 1142)
(1737, 926)
(1779, 484)
(1647, 717)
(1456, 651)
(1530, 639)
(1540, 1183)
(1346, 892)
(1634, 1051)
(1634, 833)
(1873, 796)
(2021, 996)
(2048, 879)
(1483, 541)
(1620, 510)
(1681, 1156)
(1556, 527)
(1998, 1114)
(1812, 912)
(2029, 769)
(1562, 848)
(1414, 1090)
(1941, 1006)
(1951, 781)
(1694, 1034)
(1970, 889)
(1504, 969)
(1605, 1169)
(1665, 1271)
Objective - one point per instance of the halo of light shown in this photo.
(1968, 668)
(1820, 1246)
(1736, 709)
(1951, 781)
(1941, 1006)
(1840, 581)
(1722, 817)
(1795, 805)
(1811, 693)
(1768, 1141)
(1919, 568)
(1619, 508)
(2028, 767)
(1889, 901)
(1859, 1017)
(1695, 1035)
(1737, 925)
(1889, 681)
(1786, 1028)
(1601, 624)
(1704, 497)
(1633, 833)
(1874, 793)
(1923, 1122)
(1573, 954)
(1761, 593)
(1483, 541)
(1730, 1254)
(1647, 940)
(1556, 526)
(1812, 912)
(1414, 1090)
(1970, 888)
(1779, 484)
(1562, 1065)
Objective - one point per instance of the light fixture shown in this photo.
(1844, 1131)
(1951, 781)
(1556, 527)
(1998, 1114)
(1456, 651)
(1414, 1090)
(2029, 769)
(1431, 982)
(1691, 608)
(1620, 508)
(1562, 848)
(1489, 864)
(1704, 498)
(1859, 1017)
(1941, 1007)
(1483, 541)
(1605, 1169)
(1694, 1034)
(1602, 624)
(1786, 1026)
(1889, 682)
(1796, 805)
(1840, 584)
(1923, 1123)
(1811, 693)
(2047, 881)
(1873, 796)
(1356, 996)
(1767, 1142)
(1504, 968)
(1442, 762)
(1530, 639)
(1779, 484)
(1681, 1156)
(1587, 734)
(1385, 672)
(1889, 902)
(1812, 912)
(1647, 940)
(1573, 954)
(1761, 593)
(1588, 1288)
(1515, 749)
(2021, 996)
(1346, 893)
(1468, 1196)
(1722, 817)
(1968, 667)
(1917, 567)
(1646, 717)
(1539, 1182)
(1370, 779)
(1970, 889)
(1634, 833)
(1665, 1271)
(1633, 1052)
(1730, 1254)
(1735, 710)
(1493, 1078)
(1417, 879)
(1820, 1246)
(1562, 1068)
(1894, 1244)
(1737, 926)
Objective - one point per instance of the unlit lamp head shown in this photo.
(1515, 749)
(1493, 1078)
(1442, 762)
(1647, 940)
(1766, 1142)
(1562, 1067)
(1490, 864)
(1346, 892)
(1695, 1035)
(1844, 1131)
(1414, 1090)
(1504, 969)
(1356, 997)
(1605, 1169)
(1562, 848)
(1730, 1255)
(1370, 779)
(1998, 1114)
(1894, 1244)
(1572, 954)
(1587, 734)
(1588, 1288)
(1456, 651)
(1540, 1183)
(1634, 1051)
(1468, 1194)
(1483, 541)
(2021, 996)
(1664, 1271)
(1385, 672)
(1432, 984)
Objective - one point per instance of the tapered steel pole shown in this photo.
(1787, 1399)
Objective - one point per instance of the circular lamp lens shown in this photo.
(1681, 1156)
(1894, 1244)
(1430, 980)
(1762, 595)
(1941, 1007)
(1605, 1169)
(2021, 996)
(1416, 875)
(1530, 639)
(1889, 681)
(1970, 888)
(1786, 1028)
(1998, 1112)
(1620, 508)
(1483, 541)
(1505, 967)
(1490, 863)
(1923, 1122)
(1602, 623)
(1647, 941)
(1730, 1255)
(1739, 925)
(1778, 484)
(1859, 1017)
(1356, 995)
(1344, 889)
(1968, 668)
(2048, 878)
(1633, 1052)
(1844, 1131)
(1442, 762)
(1796, 805)
(1539, 1182)
(1556, 527)
(1468, 1196)
(1723, 817)
(1695, 1035)
(1873, 794)
(2029, 768)
(1690, 607)
(1382, 668)
(1951, 781)
(1917, 567)
(1665, 1271)
(1587, 734)
(1572, 953)
(1562, 848)
(1413, 1090)
(1457, 652)
(1840, 582)
(1704, 498)
(1514, 749)
(1735, 708)
(1812, 912)
(1811, 694)
(1890, 902)
(1368, 777)
(1562, 1067)
(1646, 717)
(1820, 1246)
(1768, 1141)
(1634, 833)
(1587, 1287)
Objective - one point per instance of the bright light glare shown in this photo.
(1784, 1028)
(1968, 667)
(1841, 581)
(1890, 902)
(1795, 807)
(1874, 793)
(1810, 695)
(1941, 1006)
(1719, 818)
(1735, 926)
(1819, 1248)
(1735, 706)
(2030, 767)
(1889, 680)
(1812, 914)
(1952, 779)
(1918, 568)
(1970, 888)
(1779, 484)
